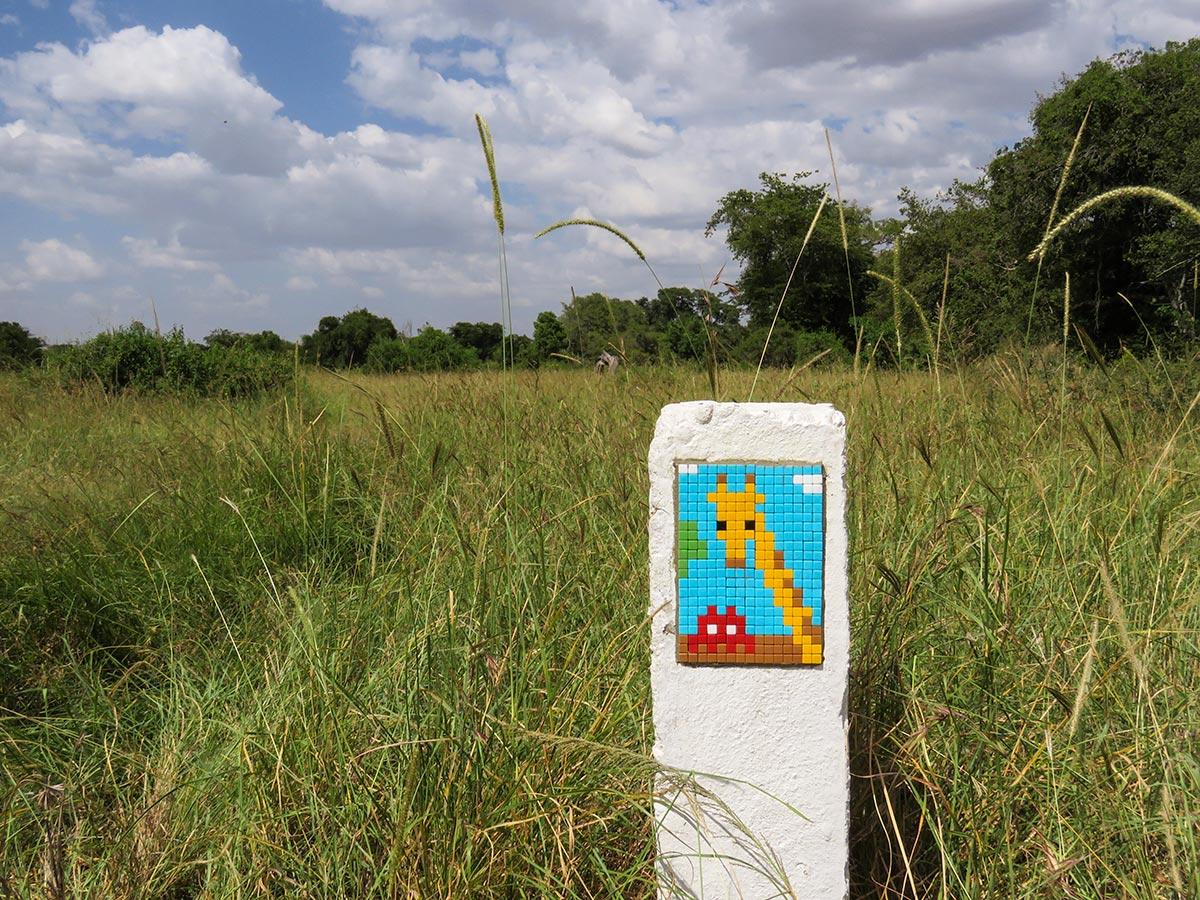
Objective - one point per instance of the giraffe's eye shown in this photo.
(749, 524)
(720, 525)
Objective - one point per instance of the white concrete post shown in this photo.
(750, 650)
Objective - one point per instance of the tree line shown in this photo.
(956, 268)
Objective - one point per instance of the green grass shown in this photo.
(341, 642)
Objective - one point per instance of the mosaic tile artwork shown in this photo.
(750, 563)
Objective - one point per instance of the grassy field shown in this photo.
(387, 636)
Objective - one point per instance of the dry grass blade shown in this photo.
(489, 154)
(1121, 193)
(937, 346)
(837, 187)
(896, 300)
(595, 223)
(1062, 184)
(900, 290)
(812, 226)
(1066, 172)
(1085, 681)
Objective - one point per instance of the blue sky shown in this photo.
(261, 164)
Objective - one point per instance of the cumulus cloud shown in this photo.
(86, 13)
(151, 254)
(485, 61)
(52, 260)
(301, 283)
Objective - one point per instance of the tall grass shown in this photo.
(1062, 186)
(837, 186)
(315, 644)
(1121, 193)
(489, 158)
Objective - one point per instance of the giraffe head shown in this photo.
(737, 518)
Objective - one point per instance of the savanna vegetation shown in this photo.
(388, 637)
(276, 622)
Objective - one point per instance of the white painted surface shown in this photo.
(758, 738)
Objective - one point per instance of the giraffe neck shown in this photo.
(764, 551)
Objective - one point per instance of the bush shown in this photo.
(686, 338)
(135, 358)
(549, 336)
(781, 350)
(346, 342)
(431, 350)
(18, 348)
(260, 342)
(388, 355)
(241, 371)
(808, 344)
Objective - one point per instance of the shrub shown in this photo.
(781, 349)
(241, 371)
(18, 348)
(135, 358)
(430, 350)
(808, 344)
(686, 338)
(346, 342)
(549, 336)
(482, 337)
(433, 349)
(260, 342)
(388, 355)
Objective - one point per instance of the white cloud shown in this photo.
(10, 19)
(795, 35)
(634, 111)
(485, 61)
(301, 283)
(52, 260)
(183, 84)
(150, 254)
(222, 293)
(86, 13)
(84, 298)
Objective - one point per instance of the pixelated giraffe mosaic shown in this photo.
(750, 563)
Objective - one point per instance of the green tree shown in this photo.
(388, 355)
(432, 349)
(522, 350)
(18, 348)
(482, 337)
(1143, 128)
(989, 285)
(549, 336)
(260, 342)
(766, 229)
(672, 303)
(138, 359)
(685, 338)
(345, 342)
(595, 322)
